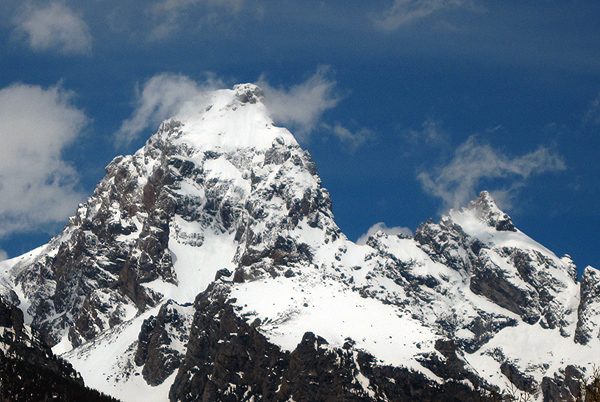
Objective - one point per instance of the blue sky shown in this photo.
(409, 107)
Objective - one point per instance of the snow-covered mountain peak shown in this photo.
(248, 93)
(229, 119)
(224, 210)
(485, 210)
(217, 190)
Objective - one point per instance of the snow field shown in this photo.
(289, 307)
(107, 365)
(195, 265)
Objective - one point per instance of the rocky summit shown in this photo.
(208, 267)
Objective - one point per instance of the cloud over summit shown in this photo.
(299, 107)
(161, 97)
(382, 227)
(457, 182)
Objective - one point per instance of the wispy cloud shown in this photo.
(161, 97)
(380, 226)
(168, 14)
(351, 139)
(592, 114)
(430, 134)
(456, 183)
(37, 187)
(301, 107)
(54, 27)
(403, 12)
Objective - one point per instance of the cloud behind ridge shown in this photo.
(457, 182)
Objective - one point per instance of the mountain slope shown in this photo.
(29, 371)
(222, 214)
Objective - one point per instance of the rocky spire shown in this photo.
(486, 209)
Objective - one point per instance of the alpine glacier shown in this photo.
(208, 266)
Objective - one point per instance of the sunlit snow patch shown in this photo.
(289, 307)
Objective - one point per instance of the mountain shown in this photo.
(208, 266)
(29, 371)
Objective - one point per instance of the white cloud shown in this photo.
(54, 27)
(403, 12)
(3, 255)
(161, 97)
(37, 187)
(457, 182)
(302, 106)
(396, 230)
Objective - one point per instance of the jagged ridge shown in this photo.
(220, 195)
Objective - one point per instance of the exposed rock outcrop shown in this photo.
(162, 342)
(30, 372)
(230, 360)
(588, 326)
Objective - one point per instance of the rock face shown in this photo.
(29, 371)
(588, 326)
(162, 341)
(525, 281)
(229, 360)
(208, 266)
